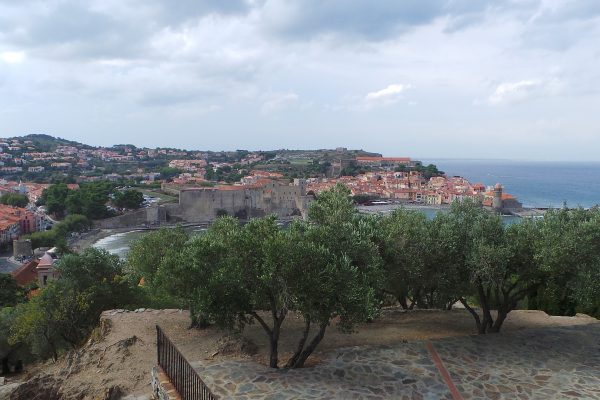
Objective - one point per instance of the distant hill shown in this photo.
(45, 142)
(48, 143)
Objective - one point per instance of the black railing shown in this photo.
(184, 378)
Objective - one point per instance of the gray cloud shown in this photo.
(110, 29)
(375, 20)
(362, 18)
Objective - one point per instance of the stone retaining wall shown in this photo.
(162, 388)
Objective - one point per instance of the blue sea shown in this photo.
(535, 184)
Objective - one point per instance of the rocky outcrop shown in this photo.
(40, 387)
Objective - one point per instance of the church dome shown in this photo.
(46, 261)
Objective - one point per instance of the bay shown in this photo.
(534, 183)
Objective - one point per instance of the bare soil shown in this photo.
(121, 352)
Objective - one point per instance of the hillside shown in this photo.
(46, 143)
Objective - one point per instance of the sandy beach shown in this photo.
(87, 239)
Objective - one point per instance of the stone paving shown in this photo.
(550, 363)
(557, 363)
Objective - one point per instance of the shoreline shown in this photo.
(87, 239)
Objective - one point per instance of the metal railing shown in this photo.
(183, 376)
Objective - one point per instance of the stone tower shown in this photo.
(497, 199)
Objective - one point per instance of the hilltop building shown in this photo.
(384, 162)
(42, 271)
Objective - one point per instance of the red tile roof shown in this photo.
(26, 273)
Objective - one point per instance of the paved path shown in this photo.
(550, 363)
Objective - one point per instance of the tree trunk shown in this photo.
(273, 357)
(413, 302)
(480, 326)
(402, 301)
(51, 345)
(300, 347)
(487, 321)
(272, 339)
(5, 367)
(495, 328)
(311, 346)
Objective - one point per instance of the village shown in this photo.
(281, 182)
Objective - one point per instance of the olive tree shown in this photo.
(568, 249)
(496, 262)
(403, 243)
(238, 274)
(328, 285)
(232, 273)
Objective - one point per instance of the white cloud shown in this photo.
(379, 98)
(390, 92)
(509, 92)
(12, 57)
(278, 101)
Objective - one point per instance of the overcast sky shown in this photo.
(422, 78)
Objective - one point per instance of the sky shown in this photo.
(501, 79)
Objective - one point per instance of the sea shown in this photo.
(534, 183)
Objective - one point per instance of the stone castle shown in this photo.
(263, 197)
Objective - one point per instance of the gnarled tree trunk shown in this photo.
(311, 346)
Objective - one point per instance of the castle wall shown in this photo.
(203, 204)
(145, 216)
(198, 205)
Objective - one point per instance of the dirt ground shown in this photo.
(119, 356)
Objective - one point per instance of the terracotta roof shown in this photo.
(26, 273)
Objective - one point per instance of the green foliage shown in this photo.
(57, 236)
(168, 172)
(147, 253)
(10, 293)
(362, 198)
(54, 198)
(65, 312)
(221, 213)
(74, 223)
(131, 199)
(469, 253)
(405, 249)
(332, 206)
(10, 354)
(428, 171)
(569, 251)
(225, 173)
(46, 239)
(90, 200)
(14, 199)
